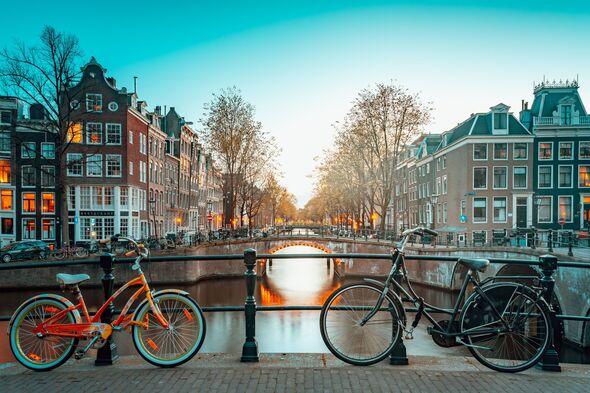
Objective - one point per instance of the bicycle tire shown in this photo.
(40, 354)
(153, 342)
(81, 252)
(351, 303)
(511, 351)
(60, 254)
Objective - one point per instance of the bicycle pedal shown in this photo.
(79, 354)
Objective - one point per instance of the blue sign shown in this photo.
(463, 218)
(75, 219)
(92, 221)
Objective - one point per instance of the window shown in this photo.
(4, 171)
(479, 210)
(500, 121)
(545, 179)
(94, 165)
(480, 151)
(500, 209)
(565, 208)
(28, 176)
(48, 150)
(48, 229)
(130, 137)
(546, 151)
(463, 207)
(444, 185)
(7, 226)
(94, 133)
(566, 115)
(93, 102)
(584, 152)
(500, 151)
(566, 176)
(520, 177)
(29, 228)
(584, 175)
(500, 176)
(29, 202)
(47, 176)
(75, 133)
(85, 198)
(131, 168)
(520, 151)
(566, 150)
(113, 134)
(5, 144)
(5, 117)
(27, 150)
(480, 175)
(48, 202)
(72, 198)
(142, 143)
(74, 164)
(6, 200)
(113, 165)
(544, 209)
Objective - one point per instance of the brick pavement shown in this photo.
(290, 373)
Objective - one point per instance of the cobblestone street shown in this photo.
(291, 373)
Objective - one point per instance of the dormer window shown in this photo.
(500, 121)
(93, 102)
(566, 115)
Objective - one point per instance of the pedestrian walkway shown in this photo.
(290, 373)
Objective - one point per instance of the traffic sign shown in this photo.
(209, 217)
(561, 221)
(92, 221)
(75, 219)
(463, 218)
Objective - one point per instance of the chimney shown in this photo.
(112, 81)
(37, 112)
(158, 110)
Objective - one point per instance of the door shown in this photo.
(521, 212)
(586, 212)
(72, 231)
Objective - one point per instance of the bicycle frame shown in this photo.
(93, 326)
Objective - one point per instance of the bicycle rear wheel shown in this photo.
(40, 353)
(513, 343)
(341, 329)
(59, 254)
(177, 344)
(81, 252)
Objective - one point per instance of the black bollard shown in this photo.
(550, 241)
(250, 348)
(108, 354)
(399, 356)
(550, 360)
(570, 252)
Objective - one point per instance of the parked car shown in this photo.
(28, 249)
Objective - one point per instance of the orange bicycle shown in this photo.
(168, 326)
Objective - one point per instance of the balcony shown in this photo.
(557, 121)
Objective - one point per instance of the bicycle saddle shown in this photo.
(479, 264)
(71, 279)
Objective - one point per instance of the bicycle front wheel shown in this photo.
(180, 341)
(81, 252)
(515, 341)
(40, 353)
(350, 340)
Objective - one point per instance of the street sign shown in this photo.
(75, 219)
(561, 221)
(92, 221)
(463, 218)
(209, 217)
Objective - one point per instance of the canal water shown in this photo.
(288, 282)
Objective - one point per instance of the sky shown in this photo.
(301, 63)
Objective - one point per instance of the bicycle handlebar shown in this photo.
(421, 231)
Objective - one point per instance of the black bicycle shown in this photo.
(505, 325)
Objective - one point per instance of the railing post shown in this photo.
(399, 356)
(250, 348)
(534, 244)
(570, 252)
(550, 360)
(550, 241)
(108, 354)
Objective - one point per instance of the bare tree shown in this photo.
(41, 75)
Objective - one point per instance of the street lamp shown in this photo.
(433, 200)
(152, 203)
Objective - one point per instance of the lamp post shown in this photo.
(152, 203)
(433, 201)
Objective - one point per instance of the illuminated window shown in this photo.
(6, 199)
(546, 151)
(4, 171)
(48, 202)
(584, 175)
(48, 229)
(75, 133)
(29, 202)
(565, 208)
(94, 133)
(566, 150)
(29, 228)
(584, 150)
(7, 226)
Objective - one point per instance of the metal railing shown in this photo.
(557, 121)
(547, 264)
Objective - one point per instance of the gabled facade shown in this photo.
(561, 156)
